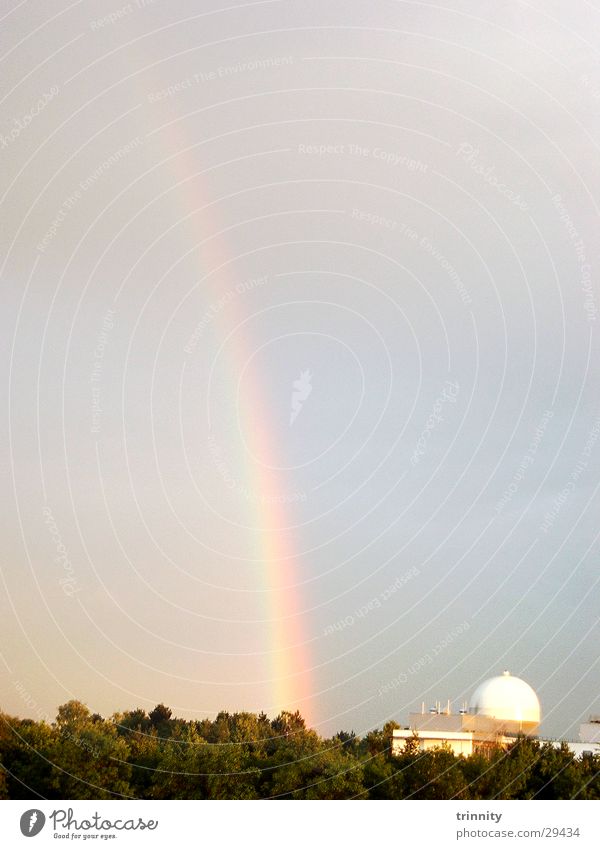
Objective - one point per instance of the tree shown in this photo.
(309, 769)
(435, 774)
(505, 774)
(3, 784)
(557, 774)
(72, 714)
(191, 768)
(287, 723)
(160, 715)
(132, 720)
(24, 747)
(246, 756)
(89, 759)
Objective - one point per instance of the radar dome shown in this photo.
(506, 697)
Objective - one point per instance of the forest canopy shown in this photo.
(135, 754)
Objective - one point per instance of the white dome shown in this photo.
(506, 697)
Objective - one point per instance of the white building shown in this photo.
(500, 709)
(589, 739)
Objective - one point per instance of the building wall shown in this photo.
(459, 743)
(458, 747)
(577, 748)
(589, 732)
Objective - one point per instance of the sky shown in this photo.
(300, 356)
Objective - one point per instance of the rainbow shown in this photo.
(272, 543)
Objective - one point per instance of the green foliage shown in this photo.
(436, 774)
(3, 785)
(247, 756)
(72, 715)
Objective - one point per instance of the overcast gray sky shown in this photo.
(300, 356)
